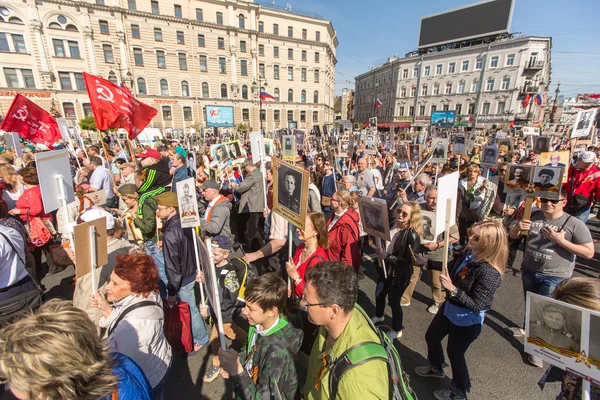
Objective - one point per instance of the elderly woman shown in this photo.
(475, 200)
(344, 239)
(135, 320)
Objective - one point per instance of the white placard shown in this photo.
(64, 128)
(188, 204)
(530, 130)
(50, 166)
(447, 189)
(583, 123)
(257, 146)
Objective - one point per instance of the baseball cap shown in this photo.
(222, 242)
(149, 153)
(210, 184)
(127, 189)
(587, 156)
(97, 213)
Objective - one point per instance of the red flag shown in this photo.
(31, 122)
(114, 107)
(526, 101)
(367, 124)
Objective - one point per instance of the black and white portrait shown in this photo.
(288, 150)
(388, 145)
(428, 221)
(490, 155)
(220, 153)
(583, 123)
(289, 189)
(505, 142)
(554, 323)
(518, 176)
(439, 150)
(415, 152)
(344, 148)
(370, 142)
(541, 144)
(287, 143)
(547, 179)
(458, 143)
(234, 149)
(373, 218)
(419, 138)
(403, 153)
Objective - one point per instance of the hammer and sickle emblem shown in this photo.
(21, 114)
(104, 93)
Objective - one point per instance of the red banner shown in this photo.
(115, 107)
(31, 122)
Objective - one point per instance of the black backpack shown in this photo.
(367, 351)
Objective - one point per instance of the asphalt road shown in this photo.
(497, 364)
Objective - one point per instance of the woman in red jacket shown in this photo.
(344, 235)
(31, 202)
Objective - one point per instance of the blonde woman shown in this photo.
(470, 281)
(13, 188)
(399, 264)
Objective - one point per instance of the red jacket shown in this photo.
(31, 200)
(584, 182)
(344, 240)
(318, 256)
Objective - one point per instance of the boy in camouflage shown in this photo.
(266, 366)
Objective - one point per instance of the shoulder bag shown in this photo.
(38, 232)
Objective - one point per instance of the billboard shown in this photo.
(486, 18)
(443, 119)
(219, 115)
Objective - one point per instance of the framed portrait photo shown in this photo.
(374, 217)
(288, 147)
(415, 152)
(290, 192)
(439, 150)
(490, 156)
(518, 177)
(541, 144)
(557, 159)
(547, 181)
(402, 153)
(344, 148)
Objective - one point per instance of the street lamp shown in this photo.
(128, 76)
(257, 87)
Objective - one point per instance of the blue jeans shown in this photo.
(583, 214)
(187, 295)
(157, 255)
(537, 283)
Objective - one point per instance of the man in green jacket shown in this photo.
(330, 295)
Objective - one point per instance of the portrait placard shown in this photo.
(429, 221)
(518, 177)
(288, 148)
(257, 147)
(50, 165)
(290, 192)
(530, 130)
(299, 134)
(374, 217)
(458, 144)
(556, 159)
(547, 181)
(235, 150)
(583, 123)
(344, 148)
(490, 156)
(269, 148)
(447, 189)
(220, 154)
(83, 252)
(439, 151)
(415, 152)
(188, 204)
(402, 153)
(340, 186)
(370, 144)
(541, 144)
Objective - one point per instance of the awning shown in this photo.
(394, 125)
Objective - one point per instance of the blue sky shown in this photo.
(371, 31)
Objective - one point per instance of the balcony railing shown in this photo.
(534, 64)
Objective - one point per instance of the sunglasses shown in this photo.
(544, 201)
(403, 213)
(502, 170)
(472, 235)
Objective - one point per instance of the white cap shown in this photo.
(97, 213)
(587, 156)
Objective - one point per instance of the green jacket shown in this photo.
(145, 218)
(272, 364)
(366, 381)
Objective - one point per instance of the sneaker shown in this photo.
(516, 272)
(536, 361)
(433, 309)
(448, 394)
(394, 335)
(405, 304)
(376, 320)
(211, 374)
(428, 372)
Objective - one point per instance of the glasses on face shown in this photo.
(473, 235)
(306, 304)
(332, 199)
(544, 201)
(161, 208)
(502, 170)
(403, 214)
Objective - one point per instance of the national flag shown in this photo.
(538, 99)
(367, 124)
(31, 122)
(378, 103)
(594, 96)
(264, 96)
(512, 124)
(526, 100)
(115, 107)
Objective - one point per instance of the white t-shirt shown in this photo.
(100, 180)
(13, 269)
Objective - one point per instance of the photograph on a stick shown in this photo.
(290, 192)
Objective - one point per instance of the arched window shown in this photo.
(71, 28)
(316, 97)
(185, 89)
(303, 96)
(164, 87)
(245, 92)
(113, 79)
(141, 84)
(205, 91)
(276, 94)
(241, 21)
(15, 20)
(290, 95)
(223, 91)
(54, 25)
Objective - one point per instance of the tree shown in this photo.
(242, 128)
(88, 123)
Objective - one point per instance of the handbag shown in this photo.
(325, 201)
(178, 327)
(29, 300)
(59, 256)
(38, 233)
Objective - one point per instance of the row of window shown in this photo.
(461, 88)
(12, 42)
(178, 12)
(486, 109)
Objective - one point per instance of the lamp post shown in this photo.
(556, 92)
(257, 87)
(129, 76)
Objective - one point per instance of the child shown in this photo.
(228, 279)
(266, 366)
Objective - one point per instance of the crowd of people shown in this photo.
(288, 298)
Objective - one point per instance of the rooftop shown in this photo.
(287, 9)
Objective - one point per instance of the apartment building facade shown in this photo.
(484, 83)
(177, 56)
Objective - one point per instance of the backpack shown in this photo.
(245, 272)
(368, 351)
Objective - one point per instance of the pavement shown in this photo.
(497, 364)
